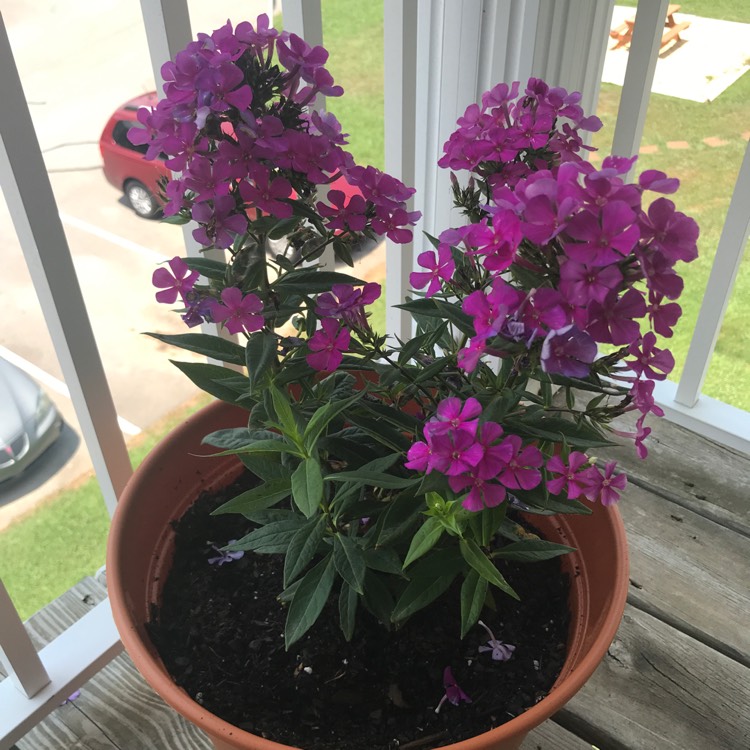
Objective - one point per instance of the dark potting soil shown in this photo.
(220, 634)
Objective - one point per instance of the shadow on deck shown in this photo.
(677, 676)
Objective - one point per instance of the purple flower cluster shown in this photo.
(234, 124)
(563, 256)
(480, 460)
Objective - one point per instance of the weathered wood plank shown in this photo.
(694, 472)
(551, 736)
(659, 688)
(689, 571)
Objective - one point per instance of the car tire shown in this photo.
(141, 199)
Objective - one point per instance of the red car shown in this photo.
(126, 169)
(124, 165)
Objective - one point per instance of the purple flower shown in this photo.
(663, 317)
(670, 231)
(327, 346)
(347, 303)
(440, 266)
(614, 321)
(180, 281)
(605, 487)
(453, 415)
(602, 239)
(580, 284)
(267, 194)
(571, 475)
(238, 312)
(341, 215)
(219, 223)
(453, 692)
(654, 362)
(522, 470)
(568, 351)
(222, 557)
(500, 651)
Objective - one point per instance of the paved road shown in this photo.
(78, 62)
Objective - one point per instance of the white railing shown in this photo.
(439, 56)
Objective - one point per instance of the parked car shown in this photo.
(29, 421)
(126, 168)
(124, 165)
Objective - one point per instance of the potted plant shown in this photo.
(368, 502)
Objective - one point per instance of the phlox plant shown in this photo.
(387, 470)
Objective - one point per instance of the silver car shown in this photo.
(29, 421)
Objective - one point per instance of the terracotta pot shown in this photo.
(141, 546)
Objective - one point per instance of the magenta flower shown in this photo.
(572, 476)
(238, 312)
(604, 239)
(663, 317)
(458, 450)
(522, 471)
(180, 281)
(614, 321)
(327, 346)
(605, 488)
(453, 415)
(669, 231)
(266, 193)
(219, 223)
(453, 692)
(654, 362)
(439, 267)
(341, 215)
(483, 493)
(568, 351)
(580, 284)
(347, 303)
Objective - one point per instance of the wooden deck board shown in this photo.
(677, 676)
(659, 689)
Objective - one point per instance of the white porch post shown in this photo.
(400, 74)
(32, 205)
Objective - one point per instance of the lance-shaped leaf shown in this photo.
(532, 550)
(323, 417)
(307, 486)
(209, 346)
(483, 565)
(430, 578)
(473, 595)
(258, 498)
(424, 540)
(302, 548)
(214, 379)
(271, 539)
(347, 610)
(374, 479)
(312, 281)
(309, 599)
(260, 354)
(350, 561)
(211, 269)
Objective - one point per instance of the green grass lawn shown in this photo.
(46, 553)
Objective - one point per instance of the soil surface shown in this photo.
(220, 634)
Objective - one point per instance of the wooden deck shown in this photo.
(677, 677)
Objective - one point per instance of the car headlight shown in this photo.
(44, 406)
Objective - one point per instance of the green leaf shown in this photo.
(264, 468)
(211, 269)
(258, 498)
(374, 479)
(378, 598)
(283, 227)
(350, 561)
(263, 446)
(410, 348)
(260, 354)
(431, 577)
(385, 560)
(323, 417)
(214, 347)
(312, 281)
(483, 565)
(213, 379)
(232, 438)
(424, 540)
(309, 600)
(347, 610)
(473, 594)
(302, 548)
(307, 486)
(532, 550)
(400, 516)
(284, 413)
(385, 435)
(273, 538)
(435, 308)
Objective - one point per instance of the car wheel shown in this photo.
(141, 199)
